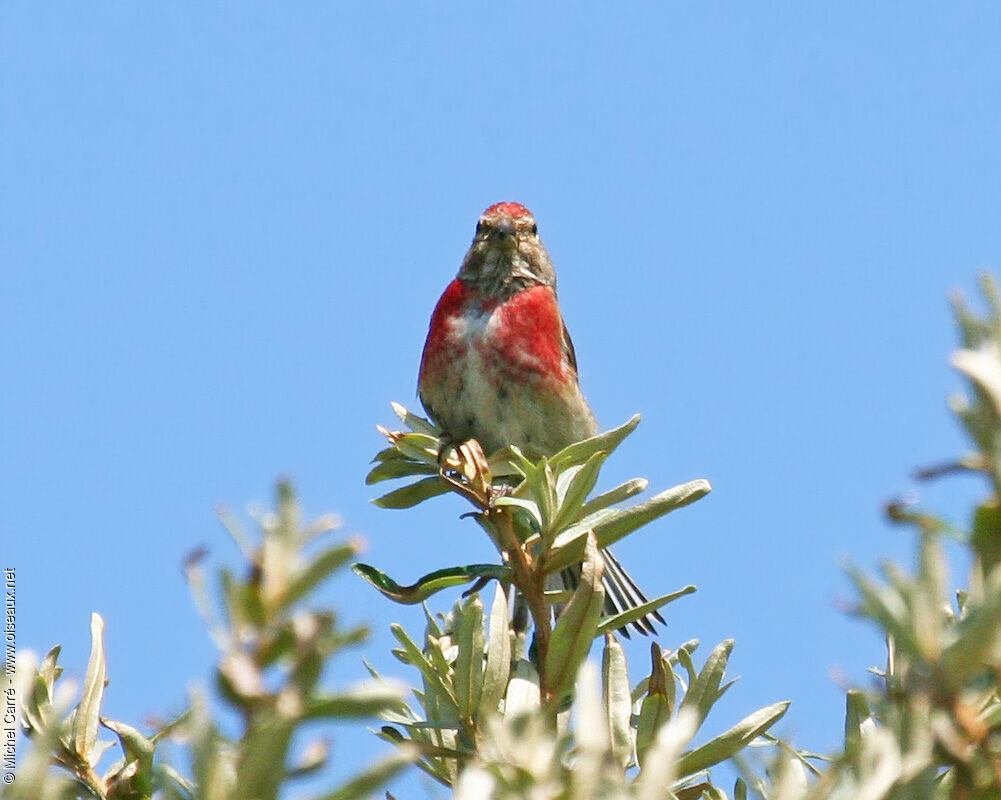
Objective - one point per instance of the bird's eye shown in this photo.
(479, 226)
(535, 229)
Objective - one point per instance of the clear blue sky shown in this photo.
(224, 228)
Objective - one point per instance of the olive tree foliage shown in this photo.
(274, 644)
(508, 702)
(508, 711)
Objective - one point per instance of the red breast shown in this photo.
(521, 337)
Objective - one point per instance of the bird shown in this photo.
(499, 366)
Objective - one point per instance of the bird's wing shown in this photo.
(568, 350)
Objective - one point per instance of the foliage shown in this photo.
(273, 650)
(503, 715)
(508, 702)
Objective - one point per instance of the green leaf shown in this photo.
(979, 635)
(522, 690)
(523, 503)
(510, 461)
(683, 656)
(138, 749)
(429, 672)
(415, 423)
(618, 704)
(579, 452)
(632, 614)
(412, 494)
(616, 523)
(469, 662)
(856, 712)
(498, 666)
(430, 583)
(888, 609)
(319, 568)
(578, 624)
(658, 705)
(419, 446)
(733, 741)
(704, 690)
(48, 669)
(88, 714)
(264, 745)
(367, 699)
(578, 486)
(621, 492)
(367, 782)
(399, 468)
(986, 536)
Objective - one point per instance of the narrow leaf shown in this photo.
(617, 495)
(577, 626)
(415, 423)
(571, 501)
(617, 702)
(498, 664)
(632, 614)
(376, 776)
(704, 691)
(319, 568)
(88, 713)
(434, 679)
(398, 468)
(430, 583)
(569, 546)
(728, 744)
(469, 662)
(412, 494)
(579, 452)
(367, 699)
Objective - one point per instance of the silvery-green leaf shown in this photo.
(705, 689)
(616, 523)
(375, 776)
(434, 678)
(617, 702)
(365, 699)
(523, 503)
(413, 493)
(659, 769)
(415, 423)
(498, 666)
(138, 749)
(621, 492)
(430, 583)
(522, 690)
(727, 744)
(318, 569)
(617, 621)
(399, 468)
(469, 662)
(572, 491)
(88, 712)
(579, 452)
(658, 705)
(48, 669)
(419, 446)
(578, 622)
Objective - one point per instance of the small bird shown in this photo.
(499, 367)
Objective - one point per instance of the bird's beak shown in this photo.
(502, 234)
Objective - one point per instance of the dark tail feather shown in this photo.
(621, 594)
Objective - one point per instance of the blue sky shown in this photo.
(224, 229)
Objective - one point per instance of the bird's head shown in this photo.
(507, 254)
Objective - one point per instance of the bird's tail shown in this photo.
(621, 593)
